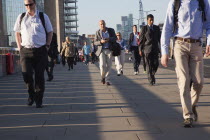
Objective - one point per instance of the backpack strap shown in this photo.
(41, 16)
(177, 4)
(202, 8)
(21, 17)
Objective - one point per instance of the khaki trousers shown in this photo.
(189, 67)
(120, 61)
(105, 60)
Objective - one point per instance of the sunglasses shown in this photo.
(31, 4)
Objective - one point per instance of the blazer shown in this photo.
(131, 41)
(98, 37)
(68, 49)
(150, 39)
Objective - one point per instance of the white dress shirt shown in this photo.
(32, 31)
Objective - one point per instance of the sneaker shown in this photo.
(135, 73)
(188, 123)
(195, 113)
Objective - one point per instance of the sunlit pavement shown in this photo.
(78, 107)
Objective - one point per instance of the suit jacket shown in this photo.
(150, 39)
(98, 37)
(131, 41)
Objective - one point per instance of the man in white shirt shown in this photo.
(33, 40)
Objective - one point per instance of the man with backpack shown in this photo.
(52, 57)
(185, 21)
(33, 32)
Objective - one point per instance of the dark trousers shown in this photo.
(70, 61)
(136, 58)
(50, 66)
(152, 61)
(33, 62)
(93, 57)
(87, 59)
(144, 61)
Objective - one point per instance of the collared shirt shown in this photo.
(190, 23)
(151, 27)
(135, 42)
(32, 31)
(105, 35)
(86, 49)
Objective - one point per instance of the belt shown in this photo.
(33, 48)
(188, 40)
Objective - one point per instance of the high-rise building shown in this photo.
(126, 27)
(119, 27)
(70, 18)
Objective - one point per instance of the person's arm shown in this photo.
(97, 40)
(49, 29)
(18, 39)
(167, 33)
(142, 40)
(207, 27)
(17, 29)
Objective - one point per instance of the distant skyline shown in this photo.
(91, 11)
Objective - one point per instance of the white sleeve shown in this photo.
(17, 27)
(48, 24)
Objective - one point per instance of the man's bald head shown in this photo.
(102, 24)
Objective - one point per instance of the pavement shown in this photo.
(78, 107)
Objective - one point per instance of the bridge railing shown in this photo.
(9, 61)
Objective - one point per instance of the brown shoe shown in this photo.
(103, 81)
(108, 83)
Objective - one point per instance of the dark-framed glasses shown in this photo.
(31, 4)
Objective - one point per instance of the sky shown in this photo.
(91, 11)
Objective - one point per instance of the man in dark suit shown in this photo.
(150, 40)
(133, 47)
(104, 39)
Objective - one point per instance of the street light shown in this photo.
(138, 23)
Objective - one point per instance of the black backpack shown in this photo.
(177, 4)
(116, 49)
(41, 16)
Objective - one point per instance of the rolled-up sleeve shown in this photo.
(167, 31)
(48, 24)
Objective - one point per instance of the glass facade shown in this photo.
(12, 10)
(70, 17)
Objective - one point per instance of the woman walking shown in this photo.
(68, 52)
(120, 60)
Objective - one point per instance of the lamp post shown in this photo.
(138, 23)
(146, 12)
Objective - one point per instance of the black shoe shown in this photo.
(118, 74)
(103, 81)
(122, 72)
(30, 101)
(39, 106)
(188, 123)
(195, 113)
(108, 83)
(69, 69)
(50, 78)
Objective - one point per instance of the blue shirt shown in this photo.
(190, 23)
(135, 42)
(86, 49)
(122, 44)
(105, 35)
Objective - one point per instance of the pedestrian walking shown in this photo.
(68, 52)
(93, 53)
(86, 49)
(33, 32)
(133, 47)
(149, 46)
(185, 21)
(52, 57)
(120, 60)
(104, 39)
